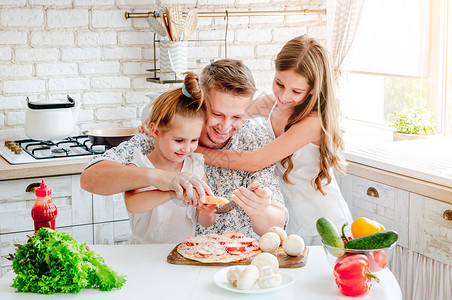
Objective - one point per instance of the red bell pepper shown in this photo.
(352, 275)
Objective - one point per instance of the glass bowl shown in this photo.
(378, 258)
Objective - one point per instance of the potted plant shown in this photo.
(413, 123)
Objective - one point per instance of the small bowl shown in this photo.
(378, 258)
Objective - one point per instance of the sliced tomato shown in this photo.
(235, 248)
(253, 247)
(233, 234)
(246, 241)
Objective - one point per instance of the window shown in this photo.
(401, 57)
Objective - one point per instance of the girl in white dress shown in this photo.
(303, 116)
(176, 121)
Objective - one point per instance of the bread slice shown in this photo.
(216, 200)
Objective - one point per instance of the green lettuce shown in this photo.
(54, 262)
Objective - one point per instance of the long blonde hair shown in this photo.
(173, 102)
(308, 58)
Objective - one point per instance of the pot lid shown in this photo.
(49, 105)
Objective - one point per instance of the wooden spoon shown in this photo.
(171, 25)
(165, 25)
(190, 24)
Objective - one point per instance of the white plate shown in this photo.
(221, 280)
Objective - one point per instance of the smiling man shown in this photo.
(229, 87)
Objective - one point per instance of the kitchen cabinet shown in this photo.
(111, 221)
(91, 219)
(431, 228)
(420, 221)
(425, 233)
(382, 203)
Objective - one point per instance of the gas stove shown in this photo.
(32, 151)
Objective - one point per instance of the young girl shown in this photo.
(302, 115)
(176, 121)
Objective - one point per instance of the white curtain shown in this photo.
(421, 277)
(343, 19)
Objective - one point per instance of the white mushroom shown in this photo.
(280, 232)
(268, 279)
(269, 242)
(265, 259)
(293, 245)
(248, 278)
(233, 274)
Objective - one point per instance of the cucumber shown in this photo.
(328, 232)
(377, 240)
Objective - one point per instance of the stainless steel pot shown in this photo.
(110, 136)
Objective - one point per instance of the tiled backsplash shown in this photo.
(87, 49)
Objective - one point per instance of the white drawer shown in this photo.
(109, 208)
(110, 233)
(74, 205)
(382, 203)
(430, 231)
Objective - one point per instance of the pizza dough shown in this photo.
(231, 246)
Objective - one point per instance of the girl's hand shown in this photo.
(206, 215)
(207, 208)
(253, 202)
(144, 128)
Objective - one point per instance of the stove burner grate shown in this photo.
(68, 147)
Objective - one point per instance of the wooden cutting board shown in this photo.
(285, 261)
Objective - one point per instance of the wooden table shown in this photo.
(149, 276)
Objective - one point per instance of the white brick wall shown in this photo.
(67, 18)
(88, 50)
(56, 69)
(36, 55)
(35, 17)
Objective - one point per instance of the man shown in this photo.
(229, 87)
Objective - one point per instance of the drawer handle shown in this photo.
(32, 187)
(447, 215)
(372, 192)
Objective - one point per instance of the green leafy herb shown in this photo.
(414, 121)
(54, 262)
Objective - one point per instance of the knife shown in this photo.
(231, 205)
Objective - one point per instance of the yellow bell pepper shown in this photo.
(364, 226)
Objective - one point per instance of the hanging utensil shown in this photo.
(190, 24)
(165, 24)
(171, 26)
(179, 18)
(157, 27)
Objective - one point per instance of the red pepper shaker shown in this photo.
(44, 211)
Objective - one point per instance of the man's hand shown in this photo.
(253, 202)
(188, 188)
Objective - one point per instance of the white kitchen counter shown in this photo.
(429, 160)
(41, 169)
(149, 276)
